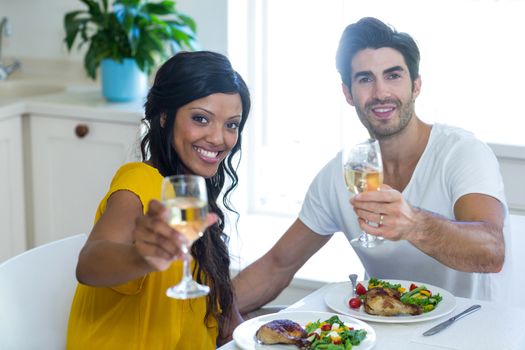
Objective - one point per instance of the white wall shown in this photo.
(37, 26)
(212, 22)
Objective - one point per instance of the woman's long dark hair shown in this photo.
(185, 77)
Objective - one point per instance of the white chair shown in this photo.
(36, 290)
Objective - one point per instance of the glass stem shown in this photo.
(186, 274)
(368, 238)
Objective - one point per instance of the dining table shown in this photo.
(494, 326)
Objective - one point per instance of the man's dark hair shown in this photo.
(371, 33)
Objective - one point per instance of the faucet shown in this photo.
(6, 70)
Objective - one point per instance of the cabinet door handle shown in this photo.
(81, 130)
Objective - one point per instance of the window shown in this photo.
(296, 123)
(472, 54)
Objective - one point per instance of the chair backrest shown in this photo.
(36, 290)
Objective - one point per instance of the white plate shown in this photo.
(338, 294)
(244, 334)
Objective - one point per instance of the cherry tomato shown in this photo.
(326, 327)
(360, 289)
(354, 303)
(412, 287)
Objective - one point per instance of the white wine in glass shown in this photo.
(186, 199)
(363, 171)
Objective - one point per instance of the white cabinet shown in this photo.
(71, 164)
(58, 154)
(12, 216)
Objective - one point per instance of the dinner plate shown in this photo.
(338, 294)
(244, 334)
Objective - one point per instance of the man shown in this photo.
(441, 209)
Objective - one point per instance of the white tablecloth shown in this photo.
(493, 327)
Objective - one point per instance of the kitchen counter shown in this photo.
(82, 103)
(58, 88)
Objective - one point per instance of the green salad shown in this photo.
(333, 334)
(416, 295)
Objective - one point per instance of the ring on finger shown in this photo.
(381, 217)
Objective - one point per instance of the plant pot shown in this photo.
(123, 81)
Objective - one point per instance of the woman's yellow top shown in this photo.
(138, 314)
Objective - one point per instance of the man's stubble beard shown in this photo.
(380, 132)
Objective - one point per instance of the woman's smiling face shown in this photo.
(205, 131)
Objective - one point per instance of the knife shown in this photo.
(447, 323)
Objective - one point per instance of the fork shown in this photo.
(353, 280)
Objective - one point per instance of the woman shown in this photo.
(195, 113)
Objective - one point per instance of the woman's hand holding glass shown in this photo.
(155, 240)
(158, 242)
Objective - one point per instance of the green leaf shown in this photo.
(163, 8)
(94, 9)
(72, 26)
(91, 62)
(129, 3)
(189, 22)
(409, 294)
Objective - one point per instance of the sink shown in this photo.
(20, 88)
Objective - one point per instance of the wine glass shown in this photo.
(363, 171)
(186, 199)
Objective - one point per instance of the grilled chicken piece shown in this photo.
(282, 332)
(385, 302)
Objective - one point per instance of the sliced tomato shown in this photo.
(412, 287)
(360, 289)
(326, 327)
(354, 303)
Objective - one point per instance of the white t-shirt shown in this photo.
(453, 164)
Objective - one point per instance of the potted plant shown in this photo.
(127, 41)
